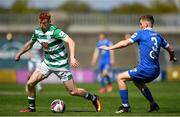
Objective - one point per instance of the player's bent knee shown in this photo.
(119, 77)
(104, 74)
(30, 84)
(122, 77)
(73, 92)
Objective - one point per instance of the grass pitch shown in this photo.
(167, 94)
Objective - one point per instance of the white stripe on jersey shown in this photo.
(59, 46)
(57, 55)
(62, 62)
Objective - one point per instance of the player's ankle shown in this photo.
(125, 105)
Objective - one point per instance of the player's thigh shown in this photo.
(104, 72)
(139, 85)
(69, 85)
(29, 74)
(36, 77)
(124, 76)
(31, 66)
(105, 69)
(67, 79)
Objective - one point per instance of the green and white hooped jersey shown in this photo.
(55, 54)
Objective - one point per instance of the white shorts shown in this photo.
(63, 75)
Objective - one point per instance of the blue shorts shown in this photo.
(144, 75)
(103, 67)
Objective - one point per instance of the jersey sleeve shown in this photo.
(135, 37)
(34, 37)
(110, 43)
(164, 43)
(59, 34)
(97, 45)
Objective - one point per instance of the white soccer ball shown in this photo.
(58, 106)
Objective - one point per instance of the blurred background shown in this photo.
(83, 20)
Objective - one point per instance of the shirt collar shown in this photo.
(148, 28)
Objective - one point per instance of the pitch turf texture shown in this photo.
(13, 98)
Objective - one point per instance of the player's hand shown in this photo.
(173, 59)
(112, 62)
(104, 47)
(92, 63)
(74, 62)
(17, 57)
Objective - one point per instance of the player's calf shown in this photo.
(102, 90)
(109, 88)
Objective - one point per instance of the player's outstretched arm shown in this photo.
(120, 44)
(172, 57)
(24, 49)
(95, 56)
(112, 59)
(71, 45)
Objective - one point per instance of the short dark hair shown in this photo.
(44, 15)
(147, 18)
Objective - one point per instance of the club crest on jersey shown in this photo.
(62, 34)
(45, 45)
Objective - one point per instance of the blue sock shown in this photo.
(103, 82)
(124, 96)
(146, 92)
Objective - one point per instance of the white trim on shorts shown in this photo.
(63, 75)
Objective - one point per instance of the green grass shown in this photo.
(167, 94)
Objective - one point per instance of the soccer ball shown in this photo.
(58, 106)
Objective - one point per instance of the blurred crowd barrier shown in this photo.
(20, 76)
(90, 19)
(80, 76)
(173, 73)
(79, 22)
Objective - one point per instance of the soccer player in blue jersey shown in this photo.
(149, 42)
(106, 60)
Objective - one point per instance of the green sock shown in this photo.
(89, 96)
(31, 101)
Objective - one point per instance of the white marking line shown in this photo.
(12, 93)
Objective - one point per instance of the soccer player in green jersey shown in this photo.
(55, 61)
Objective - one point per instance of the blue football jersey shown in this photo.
(149, 43)
(104, 55)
